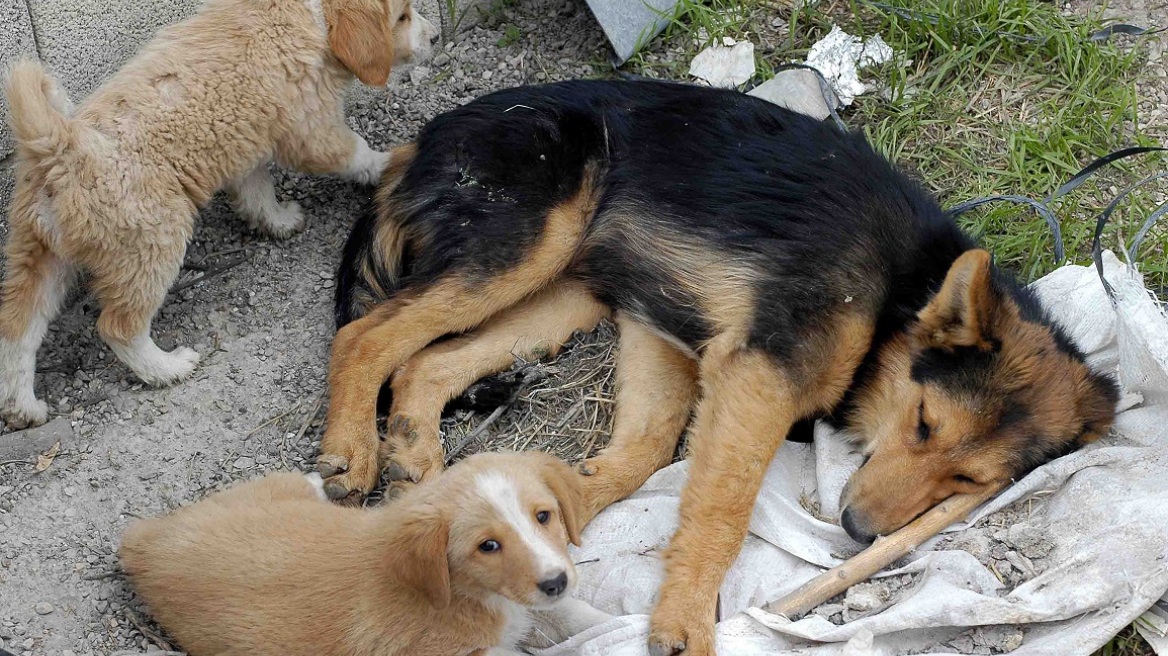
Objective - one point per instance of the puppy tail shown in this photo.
(39, 112)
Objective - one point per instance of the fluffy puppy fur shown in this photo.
(113, 188)
(453, 567)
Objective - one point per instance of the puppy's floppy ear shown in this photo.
(564, 482)
(360, 37)
(416, 555)
(959, 314)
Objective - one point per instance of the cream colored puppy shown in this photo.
(471, 562)
(113, 187)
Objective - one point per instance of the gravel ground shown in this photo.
(263, 328)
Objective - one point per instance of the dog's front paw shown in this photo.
(25, 414)
(287, 222)
(674, 629)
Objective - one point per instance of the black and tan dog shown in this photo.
(764, 269)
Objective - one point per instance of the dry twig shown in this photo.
(884, 551)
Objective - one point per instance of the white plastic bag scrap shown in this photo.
(839, 56)
(725, 66)
(1066, 558)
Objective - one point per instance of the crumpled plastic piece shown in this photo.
(724, 66)
(1103, 510)
(839, 56)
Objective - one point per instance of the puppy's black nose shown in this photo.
(856, 527)
(554, 586)
(434, 39)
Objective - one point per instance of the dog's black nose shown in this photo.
(434, 39)
(855, 527)
(554, 586)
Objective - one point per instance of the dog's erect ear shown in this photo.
(565, 484)
(959, 314)
(359, 35)
(1097, 403)
(416, 555)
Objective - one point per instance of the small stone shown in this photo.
(827, 610)
(963, 644)
(1028, 540)
(43, 608)
(862, 598)
(798, 90)
(244, 462)
(441, 59)
(28, 643)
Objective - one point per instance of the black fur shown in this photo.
(818, 217)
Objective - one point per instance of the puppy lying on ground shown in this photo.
(114, 187)
(452, 567)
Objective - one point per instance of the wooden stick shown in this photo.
(884, 551)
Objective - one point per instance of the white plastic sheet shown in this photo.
(1104, 510)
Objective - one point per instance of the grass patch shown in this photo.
(1127, 643)
(511, 35)
(985, 97)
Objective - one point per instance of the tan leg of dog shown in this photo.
(327, 145)
(745, 412)
(748, 405)
(254, 197)
(535, 328)
(35, 285)
(368, 350)
(656, 389)
(130, 295)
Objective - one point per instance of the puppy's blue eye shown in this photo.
(542, 516)
(490, 545)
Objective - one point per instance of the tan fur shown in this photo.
(535, 328)
(113, 188)
(748, 404)
(906, 476)
(367, 351)
(268, 568)
(656, 387)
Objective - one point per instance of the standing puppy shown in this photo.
(113, 188)
(452, 568)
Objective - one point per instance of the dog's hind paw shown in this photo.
(25, 414)
(168, 368)
(346, 481)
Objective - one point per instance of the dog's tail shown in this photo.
(39, 113)
(375, 255)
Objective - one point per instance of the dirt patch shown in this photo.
(1008, 543)
(867, 598)
(263, 328)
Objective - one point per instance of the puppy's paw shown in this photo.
(20, 414)
(168, 368)
(366, 165)
(287, 222)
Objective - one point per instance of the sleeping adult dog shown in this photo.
(764, 269)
